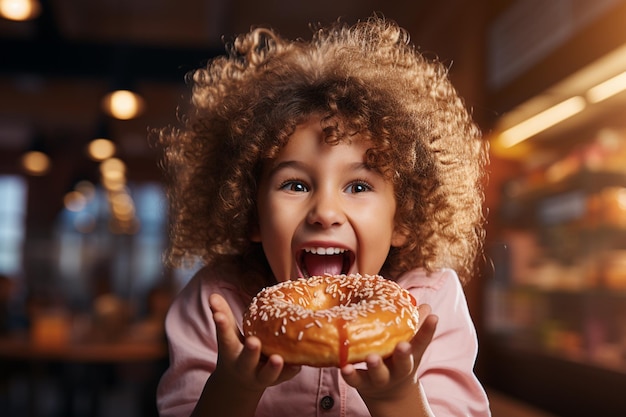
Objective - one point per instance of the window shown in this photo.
(96, 250)
(12, 223)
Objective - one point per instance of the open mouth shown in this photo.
(320, 261)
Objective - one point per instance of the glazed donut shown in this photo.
(331, 320)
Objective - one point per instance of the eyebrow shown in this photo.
(286, 164)
(355, 166)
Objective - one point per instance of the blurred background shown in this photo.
(83, 217)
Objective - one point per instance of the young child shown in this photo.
(352, 142)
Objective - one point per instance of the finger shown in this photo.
(377, 370)
(268, 373)
(250, 355)
(276, 371)
(352, 376)
(228, 338)
(402, 362)
(219, 305)
(424, 336)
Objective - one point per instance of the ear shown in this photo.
(398, 237)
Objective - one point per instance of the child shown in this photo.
(352, 142)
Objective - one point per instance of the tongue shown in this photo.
(323, 264)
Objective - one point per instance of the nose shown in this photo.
(326, 210)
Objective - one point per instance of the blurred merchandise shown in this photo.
(563, 241)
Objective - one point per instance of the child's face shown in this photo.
(316, 197)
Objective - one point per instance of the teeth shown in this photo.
(325, 251)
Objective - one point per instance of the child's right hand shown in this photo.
(241, 362)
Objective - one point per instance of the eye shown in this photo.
(294, 186)
(359, 186)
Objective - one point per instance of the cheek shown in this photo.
(376, 236)
(276, 229)
(380, 222)
(277, 234)
(377, 230)
(265, 209)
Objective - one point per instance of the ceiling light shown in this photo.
(113, 173)
(113, 165)
(123, 104)
(100, 149)
(542, 121)
(19, 10)
(607, 89)
(36, 163)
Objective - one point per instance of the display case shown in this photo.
(556, 306)
(553, 328)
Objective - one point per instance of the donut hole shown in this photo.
(326, 297)
(320, 300)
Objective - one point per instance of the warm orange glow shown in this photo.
(114, 184)
(19, 10)
(123, 104)
(621, 199)
(101, 149)
(123, 207)
(607, 89)
(113, 174)
(113, 167)
(542, 121)
(36, 163)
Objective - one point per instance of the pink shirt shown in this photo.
(446, 371)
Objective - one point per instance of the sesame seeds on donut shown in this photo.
(331, 320)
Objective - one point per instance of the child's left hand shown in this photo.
(384, 380)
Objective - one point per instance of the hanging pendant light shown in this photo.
(122, 101)
(35, 160)
(123, 104)
(36, 163)
(20, 10)
(102, 146)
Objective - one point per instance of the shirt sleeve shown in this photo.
(446, 371)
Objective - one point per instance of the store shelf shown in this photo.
(556, 308)
(553, 383)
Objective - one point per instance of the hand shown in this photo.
(241, 362)
(389, 379)
(241, 374)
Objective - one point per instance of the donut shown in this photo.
(331, 320)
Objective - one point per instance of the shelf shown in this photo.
(585, 327)
(513, 345)
(583, 180)
(556, 308)
(552, 382)
(602, 293)
(588, 199)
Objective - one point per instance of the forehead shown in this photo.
(311, 140)
(332, 131)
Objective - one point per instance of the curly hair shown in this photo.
(365, 79)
